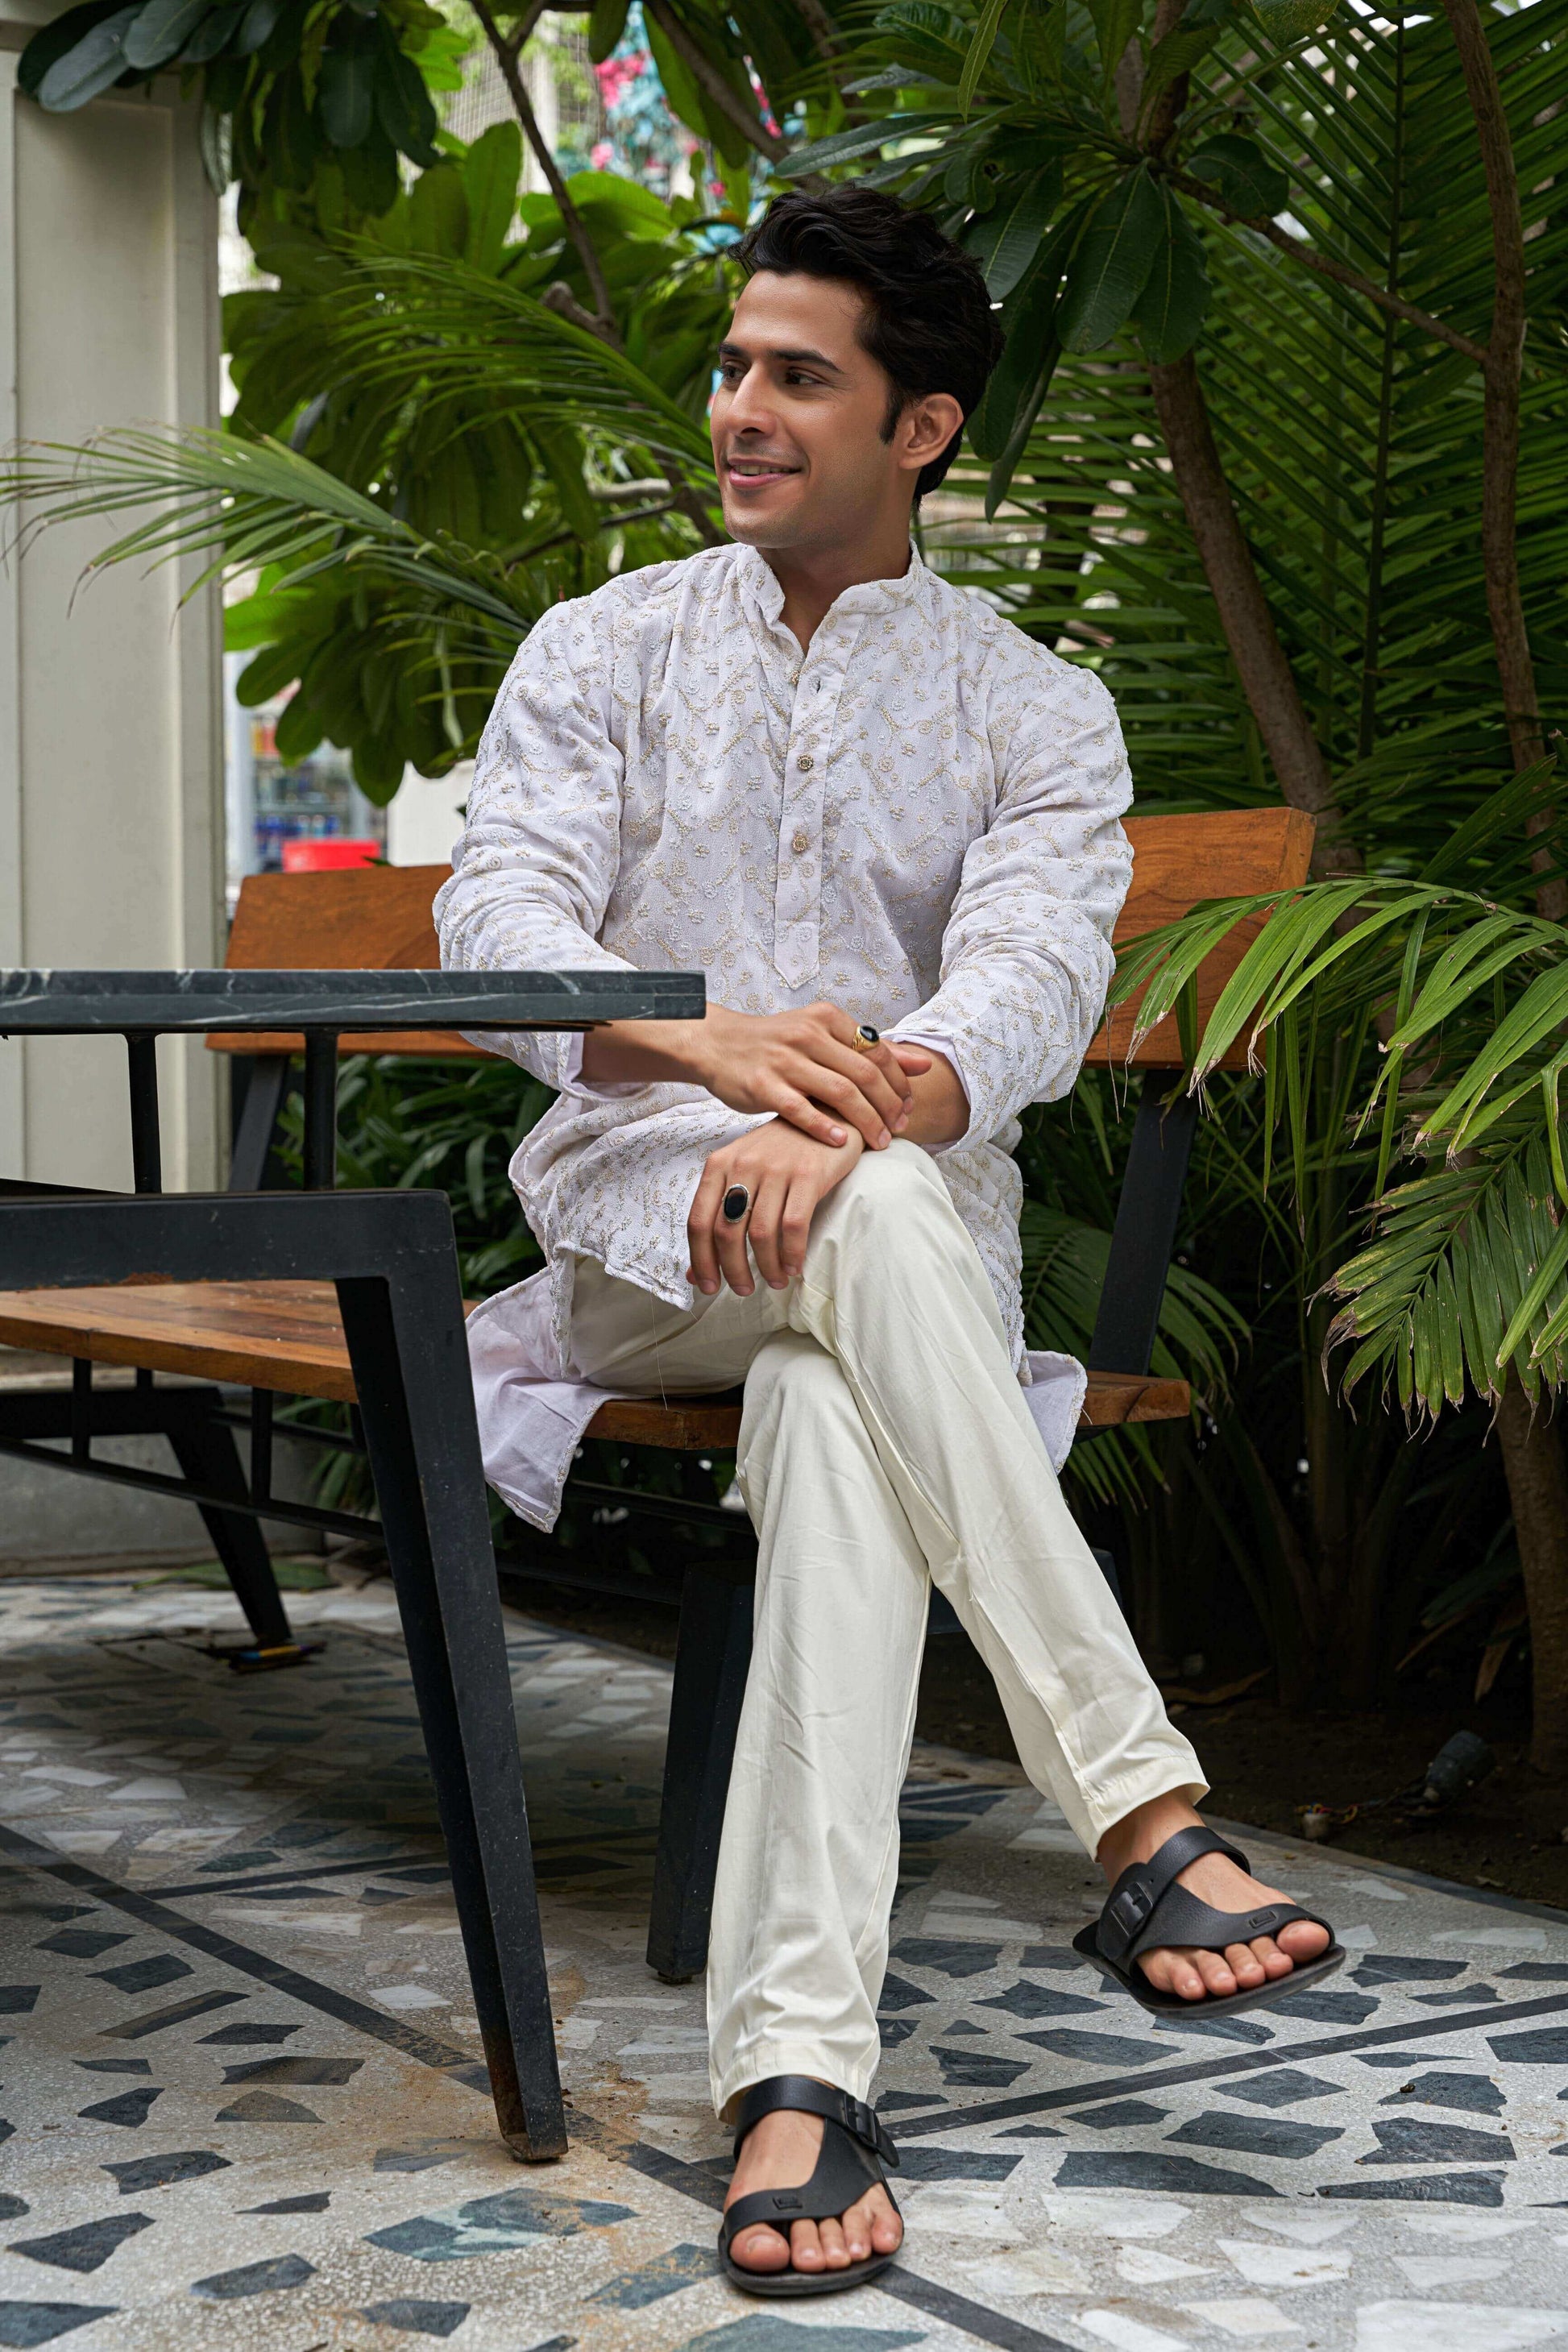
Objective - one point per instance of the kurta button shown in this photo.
(800, 843)
(805, 763)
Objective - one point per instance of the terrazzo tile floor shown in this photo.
(243, 2106)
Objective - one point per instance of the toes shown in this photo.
(1248, 1963)
(857, 2228)
(1302, 1940)
(806, 2246)
(1215, 1973)
(1272, 1961)
(760, 2249)
(835, 2253)
(887, 2229)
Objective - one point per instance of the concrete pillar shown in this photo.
(111, 726)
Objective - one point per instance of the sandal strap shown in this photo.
(1143, 1887)
(801, 2094)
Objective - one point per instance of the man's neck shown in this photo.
(813, 577)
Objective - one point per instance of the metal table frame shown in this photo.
(393, 1259)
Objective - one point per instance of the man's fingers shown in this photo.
(869, 1074)
(763, 1233)
(700, 1230)
(844, 1095)
(731, 1243)
(794, 1227)
(800, 1112)
(914, 1059)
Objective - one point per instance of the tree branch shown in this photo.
(1267, 678)
(571, 218)
(1200, 192)
(1501, 431)
(712, 84)
(522, 32)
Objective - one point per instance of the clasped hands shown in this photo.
(829, 1103)
(825, 1103)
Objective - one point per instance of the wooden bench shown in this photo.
(286, 1339)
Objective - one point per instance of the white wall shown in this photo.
(424, 817)
(110, 733)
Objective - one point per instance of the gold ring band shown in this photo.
(866, 1039)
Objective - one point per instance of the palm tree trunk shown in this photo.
(1538, 1489)
(1531, 1446)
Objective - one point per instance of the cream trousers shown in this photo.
(884, 1444)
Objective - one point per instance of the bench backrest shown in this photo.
(377, 919)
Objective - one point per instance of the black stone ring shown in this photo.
(737, 1203)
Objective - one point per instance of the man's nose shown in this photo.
(751, 406)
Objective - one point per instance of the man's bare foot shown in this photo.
(1200, 1975)
(780, 2152)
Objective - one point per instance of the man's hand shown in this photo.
(801, 1066)
(788, 1174)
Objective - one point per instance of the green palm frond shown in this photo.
(1200, 1333)
(245, 506)
(1466, 1271)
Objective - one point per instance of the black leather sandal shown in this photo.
(855, 2146)
(1147, 1909)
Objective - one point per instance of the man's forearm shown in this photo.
(642, 1053)
(939, 1109)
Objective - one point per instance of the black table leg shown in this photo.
(208, 1457)
(713, 1652)
(411, 1371)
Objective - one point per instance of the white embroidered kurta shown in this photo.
(916, 818)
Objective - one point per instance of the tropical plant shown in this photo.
(290, 89)
(1315, 551)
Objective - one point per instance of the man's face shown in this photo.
(798, 417)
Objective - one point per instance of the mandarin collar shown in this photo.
(763, 589)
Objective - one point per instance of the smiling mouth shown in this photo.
(757, 470)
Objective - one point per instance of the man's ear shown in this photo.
(925, 428)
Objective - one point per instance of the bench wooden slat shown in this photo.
(287, 1335)
(378, 919)
(1176, 862)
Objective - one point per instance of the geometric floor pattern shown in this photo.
(242, 2104)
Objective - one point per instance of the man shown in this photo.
(884, 822)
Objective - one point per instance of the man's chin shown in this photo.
(774, 525)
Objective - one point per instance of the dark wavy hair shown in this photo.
(929, 323)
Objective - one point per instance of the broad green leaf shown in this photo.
(1006, 242)
(606, 25)
(213, 34)
(93, 65)
(57, 40)
(1032, 344)
(258, 24)
(1242, 174)
(1115, 22)
(345, 88)
(1170, 310)
(863, 139)
(1287, 21)
(491, 170)
(160, 31)
(403, 108)
(1111, 263)
(980, 50)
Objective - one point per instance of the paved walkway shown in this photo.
(244, 2108)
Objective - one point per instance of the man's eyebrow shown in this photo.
(791, 358)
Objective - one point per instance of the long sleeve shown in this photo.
(534, 871)
(1026, 957)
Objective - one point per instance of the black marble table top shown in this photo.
(60, 1004)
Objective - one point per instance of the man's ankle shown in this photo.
(1139, 1834)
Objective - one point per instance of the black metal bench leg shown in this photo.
(208, 1457)
(411, 1370)
(713, 1651)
